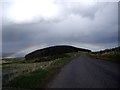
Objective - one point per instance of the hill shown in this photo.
(53, 52)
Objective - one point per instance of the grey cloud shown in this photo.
(79, 9)
(21, 32)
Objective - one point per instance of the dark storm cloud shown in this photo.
(94, 28)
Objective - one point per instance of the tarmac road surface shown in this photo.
(87, 72)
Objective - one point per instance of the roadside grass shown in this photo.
(112, 57)
(10, 71)
(32, 80)
(60, 62)
(38, 78)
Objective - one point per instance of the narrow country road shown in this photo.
(86, 72)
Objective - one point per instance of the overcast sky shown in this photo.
(29, 25)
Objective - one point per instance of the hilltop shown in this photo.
(53, 52)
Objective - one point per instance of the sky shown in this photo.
(28, 25)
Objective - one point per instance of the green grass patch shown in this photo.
(33, 80)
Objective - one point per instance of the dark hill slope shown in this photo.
(53, 52)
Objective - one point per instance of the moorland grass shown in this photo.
(39, 77)
(112, 57)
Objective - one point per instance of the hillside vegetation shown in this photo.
(51, 53)
(108, 54)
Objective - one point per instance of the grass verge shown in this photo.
(115, 58)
